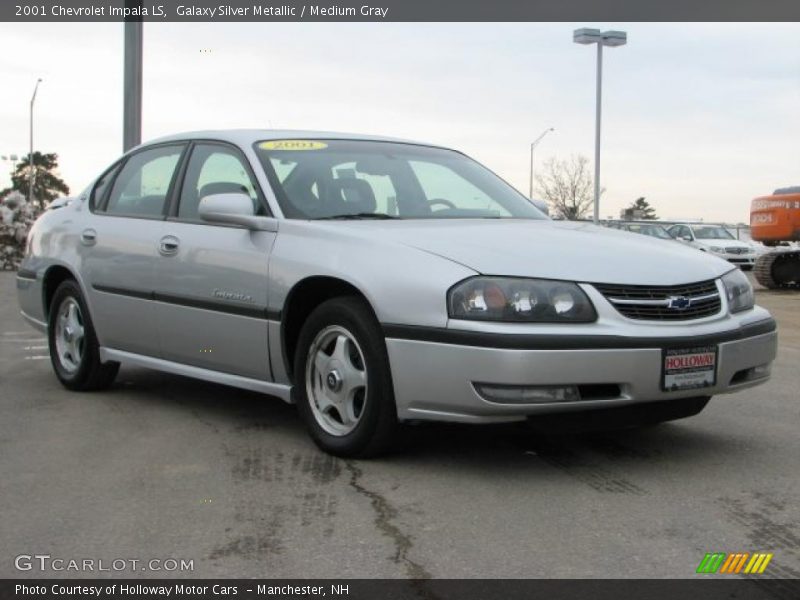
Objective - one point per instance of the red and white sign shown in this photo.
(689, 368)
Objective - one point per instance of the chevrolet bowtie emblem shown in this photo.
(679, 302)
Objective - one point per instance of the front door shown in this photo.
(211, 280)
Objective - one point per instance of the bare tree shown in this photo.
(566, 186)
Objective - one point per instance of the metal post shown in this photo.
(31, 169)
(132, 94)
(597, 134)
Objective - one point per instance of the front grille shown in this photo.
(663, 303)
(732, 250)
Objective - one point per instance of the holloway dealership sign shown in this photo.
(401, 10)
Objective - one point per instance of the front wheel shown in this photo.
(343, 382)
(74, 350)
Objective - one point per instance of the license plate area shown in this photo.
(688, 368)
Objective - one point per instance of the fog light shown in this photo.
(527, 394)
(761, 371)
(751, 374)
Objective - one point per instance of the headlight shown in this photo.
(519, 300)
(739, 291)
(717, 249)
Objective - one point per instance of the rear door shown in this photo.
(119, 247)
(211, 287)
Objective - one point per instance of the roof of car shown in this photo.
(245, 137)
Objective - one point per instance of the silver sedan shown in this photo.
(374, 281)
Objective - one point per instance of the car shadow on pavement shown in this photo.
(221, 407)
(226, 411)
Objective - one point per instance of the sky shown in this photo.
(697, 118)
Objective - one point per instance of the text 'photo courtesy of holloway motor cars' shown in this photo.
(374, 282)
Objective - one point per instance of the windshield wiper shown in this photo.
(361, 215)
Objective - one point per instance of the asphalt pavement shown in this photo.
(164, 467)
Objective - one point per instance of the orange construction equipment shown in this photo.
(775, 220)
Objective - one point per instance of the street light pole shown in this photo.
(535, 143)
(597, 119)
(605, 38)
(31, 169)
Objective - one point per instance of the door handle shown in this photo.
(88, 237)
(169, 245)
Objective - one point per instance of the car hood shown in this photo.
(567, 250)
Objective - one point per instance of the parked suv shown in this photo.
(374, 281)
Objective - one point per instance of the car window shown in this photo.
(214, 169)
(712, 232)
(380, 187)
(143, 183)
(100, 188)
(315, 179)
(659, 232)
(682, 231)
(444, 189)
(651, 230)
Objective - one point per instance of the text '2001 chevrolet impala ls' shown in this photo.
(375, 281)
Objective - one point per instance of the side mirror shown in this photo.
(234, 209)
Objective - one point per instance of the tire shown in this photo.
(343, 384)
(645, 414)
(76, 357)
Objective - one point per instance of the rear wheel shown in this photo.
(74, 350)
(343, 383)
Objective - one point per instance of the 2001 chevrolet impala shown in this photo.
(375, 281)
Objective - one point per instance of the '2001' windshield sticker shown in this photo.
(292, 145)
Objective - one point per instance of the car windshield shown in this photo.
(651, 230)
(712, 233)
(356, 179)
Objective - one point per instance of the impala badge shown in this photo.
(227, 295)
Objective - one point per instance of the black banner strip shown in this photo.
(751, 588)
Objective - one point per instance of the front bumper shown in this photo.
(745, 259)
(739, 259)
(434, 379)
